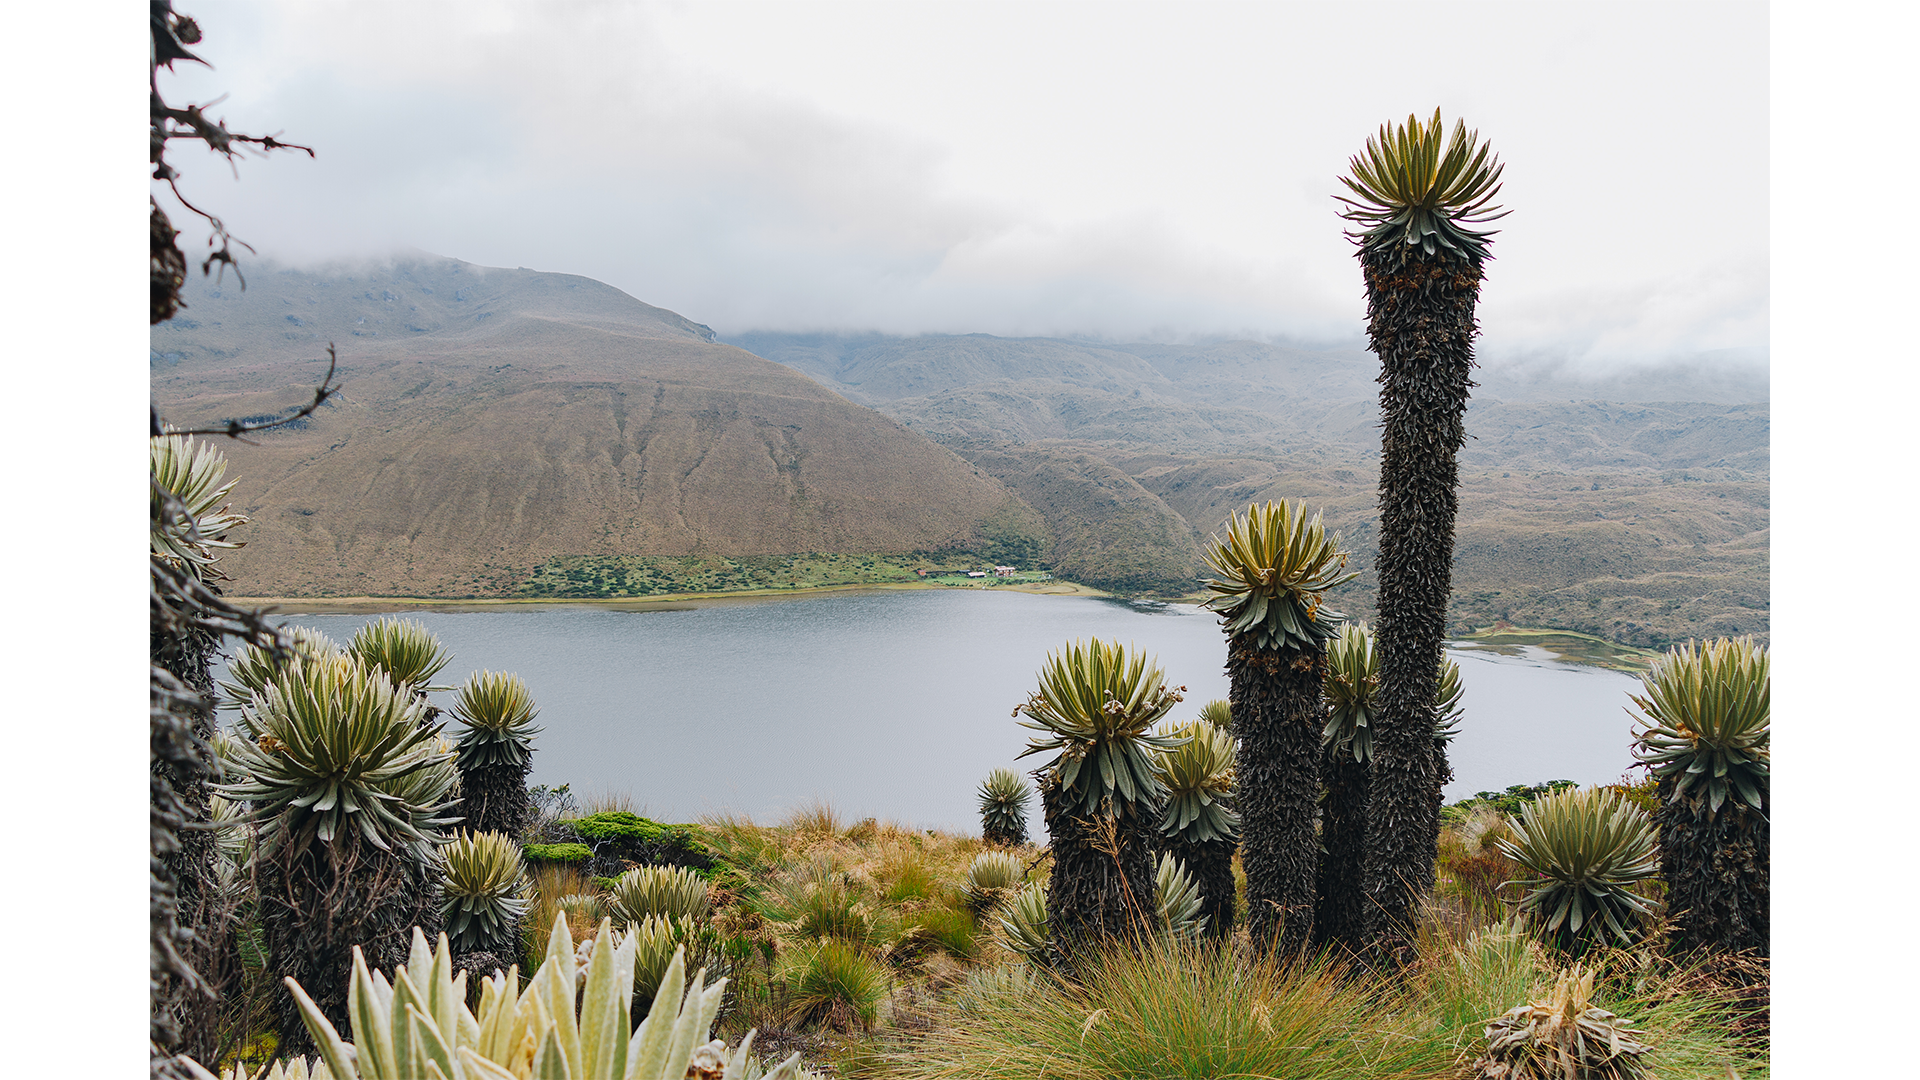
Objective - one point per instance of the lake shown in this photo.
(896, 705)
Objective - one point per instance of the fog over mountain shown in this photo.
(1145, 174)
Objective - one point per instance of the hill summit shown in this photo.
(494, 422)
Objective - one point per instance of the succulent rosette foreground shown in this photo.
(420, 1025)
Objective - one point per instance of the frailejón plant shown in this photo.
(1415, 195)
(1003, 807)
(1707, 740)
(495, 712)
(1200, 827)
(991, 879)
(672, 892)
(1592, 847)
(486, 893)
(405, 649)
(1101, 792)
(1177, 900)
(1274, 566)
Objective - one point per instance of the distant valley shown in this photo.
(516, 433)
(1641, 517)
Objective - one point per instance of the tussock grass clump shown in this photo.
(612, 802)
(904, 876)
(815, 821)
(947, 928)
(1169, 1010)
(812, 909)
(1205, 1010)
(834, 984)
(751, 849)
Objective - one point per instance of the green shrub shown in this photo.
(617, 825)
(558, 853)
(1516, 796)
(1644, 794)
(620, 837)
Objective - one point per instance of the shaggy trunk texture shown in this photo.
(997, 834)
(1337, 917)
(1421, 325)
(1717, 874)
(493, 797)
(318, 903)
(183, 1002)
(1277, 716)
(1102, 886)
(1210, 865)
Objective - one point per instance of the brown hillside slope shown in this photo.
(570, 421)
(1108, 531)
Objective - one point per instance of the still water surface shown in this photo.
(895, 705)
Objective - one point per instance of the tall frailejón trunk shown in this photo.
(493, 796)
(322, 900)
(1101, 887)
(1420, 311)
(1277, 718)
(1337, 914)
(181, 857)
(1717, 870)
(1210, 864)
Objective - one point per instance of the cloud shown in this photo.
(907, 170)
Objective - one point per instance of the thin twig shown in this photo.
(233, 429)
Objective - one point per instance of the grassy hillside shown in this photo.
(1107, 530)
(520, 419)
(1641, 518)
(513, 433)
(1641, 558)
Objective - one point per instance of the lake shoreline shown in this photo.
(1566, 645)
(378, 605)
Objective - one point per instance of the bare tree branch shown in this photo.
(233, 429)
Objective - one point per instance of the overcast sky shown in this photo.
(1113, 170)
